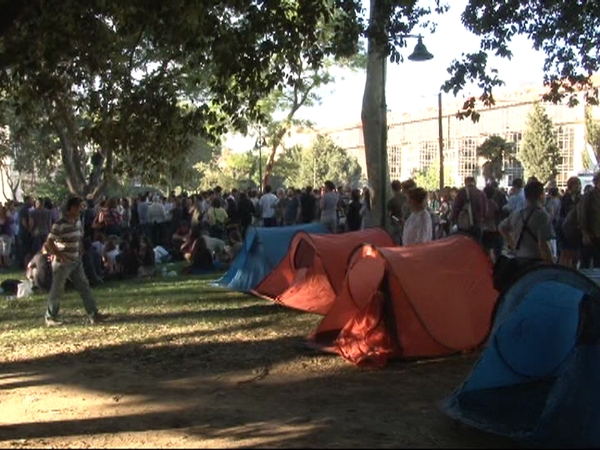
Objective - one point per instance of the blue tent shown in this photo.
(538, 380)
(263, 250)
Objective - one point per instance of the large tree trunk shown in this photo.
(374, 120)
(72, 156)
(2, 170)
(300, 96)
(13, 184)
(277, 139)
(66, 129)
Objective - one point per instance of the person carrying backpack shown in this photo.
(528, 233)
(469, 209)
(567, 230)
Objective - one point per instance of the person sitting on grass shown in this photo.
(98, 242)
(92, 263)
(146, 257)
(109, 256)
(179, 238)
(214, 245)
(127, 261)
(187, 248)
(201, 259)
(39, 270)
(236, 244)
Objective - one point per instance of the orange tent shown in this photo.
(423, 300)
(313, 271)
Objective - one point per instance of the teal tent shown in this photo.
(538, 380)
(263, 250)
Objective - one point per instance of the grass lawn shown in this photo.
(183, 364)
(183, 310)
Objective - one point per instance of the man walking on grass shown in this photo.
(65, 245)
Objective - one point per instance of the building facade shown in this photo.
(413, 144)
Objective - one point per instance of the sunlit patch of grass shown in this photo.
(148, 313)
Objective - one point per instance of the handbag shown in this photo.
(507, 268)
(465, 221)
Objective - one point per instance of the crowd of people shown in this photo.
(530, 223)
(123, 237)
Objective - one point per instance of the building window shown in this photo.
(467, 159)
(428, 154)
(394, 161)
(565, 137)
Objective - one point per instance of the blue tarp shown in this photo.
(538, 380)
(263, 250)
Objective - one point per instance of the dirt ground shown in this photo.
(268, 393)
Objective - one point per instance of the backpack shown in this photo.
(465, 220)
(506, 268)
(10, 286)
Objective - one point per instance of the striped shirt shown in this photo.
(67, 237)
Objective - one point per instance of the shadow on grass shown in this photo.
(199, 315)
(226, 386)
(244, 382)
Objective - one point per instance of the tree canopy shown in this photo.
(565, 30)
(429, 178)
(137, 83)
(297, 167)
(495, 149)
(592, 137)
(539, 150)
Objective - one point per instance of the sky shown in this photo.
(415, 85)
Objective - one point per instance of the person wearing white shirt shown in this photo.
(156, 220)
(169, 204)
(329, 203)
(418, 227)
(267, 204)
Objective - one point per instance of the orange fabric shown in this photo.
(373, 348)
(356, 294)
(313, 272)
(439, 300)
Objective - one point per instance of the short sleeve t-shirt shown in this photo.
(330, 202)
(267, 205)
(67, 237)
(538, 229)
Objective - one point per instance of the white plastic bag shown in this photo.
(25, 289)
(161, 255)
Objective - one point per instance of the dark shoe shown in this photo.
(50, 322)
(98, 318)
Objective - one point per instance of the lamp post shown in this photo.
(260, 182)
(441, 141)
(420, 53)
(259, 145)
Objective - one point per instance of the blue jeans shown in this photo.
(74, 271)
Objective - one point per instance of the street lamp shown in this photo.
(258, 145)
(420, 53)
